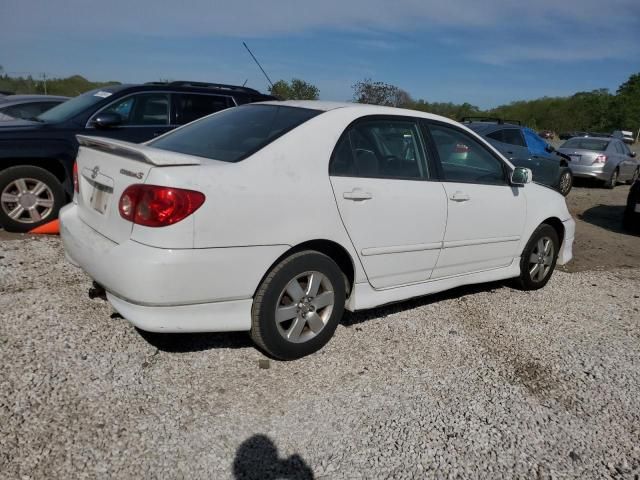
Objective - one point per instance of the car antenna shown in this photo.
(245, 82)
(258, 63)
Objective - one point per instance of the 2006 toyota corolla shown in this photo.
(275, 217)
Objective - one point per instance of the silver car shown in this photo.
(603, 158)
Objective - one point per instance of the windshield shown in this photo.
(236, 133)
(72, 107)
(586, 144)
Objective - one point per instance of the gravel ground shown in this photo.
(479, 382)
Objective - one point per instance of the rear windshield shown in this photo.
(235, 133)
(586, 144)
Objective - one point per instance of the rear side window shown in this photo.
(235, 133)
(381, 149)
(464, 159)
(189, 107)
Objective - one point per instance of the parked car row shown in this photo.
(37, 155)
(524, 147)
(624, 135)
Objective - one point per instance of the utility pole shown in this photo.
(44, 79)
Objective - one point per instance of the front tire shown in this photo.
(298, 306)
(29, 197)
(539, 258)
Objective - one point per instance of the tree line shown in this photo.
(597, 110)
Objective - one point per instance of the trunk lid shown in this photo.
(106, 168)
(580, 156)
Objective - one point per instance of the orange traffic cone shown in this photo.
(51, 228)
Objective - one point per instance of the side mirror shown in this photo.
(107, 120)
(521, 176)
(632, 154)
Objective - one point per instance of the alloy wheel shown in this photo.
(304, 307)
(541, 259)
(27, 200)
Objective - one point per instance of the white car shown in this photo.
(274, 217)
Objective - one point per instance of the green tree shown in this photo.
(380, 93)
(295, 90)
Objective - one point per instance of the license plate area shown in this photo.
(99, 192)
(100, 198)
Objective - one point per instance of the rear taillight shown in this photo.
(76, 185)
(155, 206)
(600, 159)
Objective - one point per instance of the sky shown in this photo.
(486, 53)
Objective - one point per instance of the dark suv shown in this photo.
(36, 157)
(524, 148)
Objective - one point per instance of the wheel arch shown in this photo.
(557, 225)
(332, 249)
(54, 166)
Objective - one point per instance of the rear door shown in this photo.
(187, 107)
(486, 215)
(511, 143)
(393, 207)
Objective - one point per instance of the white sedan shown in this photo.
(274, 217)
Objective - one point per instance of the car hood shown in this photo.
(9, 125)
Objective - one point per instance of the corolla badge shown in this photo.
(94, 172)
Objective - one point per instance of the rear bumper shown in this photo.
(566, 250)
(171, 290)
(590, 171)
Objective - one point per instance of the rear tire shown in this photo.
(566, 182)
(29, 197)
(613, 181)
(298, 306)
(539, 258)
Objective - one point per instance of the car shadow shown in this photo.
(195, 342)
(351, 319)
(608, 217)
(257, 458)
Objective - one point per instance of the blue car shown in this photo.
(525, 148)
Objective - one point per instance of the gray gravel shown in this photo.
(480, 382)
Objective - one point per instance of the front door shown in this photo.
(486, 215)
(144, 117)
(392, 206)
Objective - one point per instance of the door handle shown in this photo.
(357, 194)
(460, 197)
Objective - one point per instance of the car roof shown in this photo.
(606, 139)
(488, 127)
(365, 108)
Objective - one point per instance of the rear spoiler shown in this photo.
(136, 151)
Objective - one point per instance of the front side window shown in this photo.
(381, 149)
(188, 107)
(233, 134)
(142, 109)
(464, 159)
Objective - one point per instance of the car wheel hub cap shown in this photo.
(27, 200)
(304, 307)
(541, 259)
